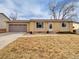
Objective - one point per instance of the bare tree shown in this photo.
(14, 15)
(52, 7)
(63, 11)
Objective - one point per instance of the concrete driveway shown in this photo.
(6, 38)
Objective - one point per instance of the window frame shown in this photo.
(39, 25)
(63, 24)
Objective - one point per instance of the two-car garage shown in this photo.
(17, 28)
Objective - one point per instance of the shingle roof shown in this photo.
(18, 21)
(38, 20)
(5, 16)
(76, 22)
(56, 20)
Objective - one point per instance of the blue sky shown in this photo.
(26, 9)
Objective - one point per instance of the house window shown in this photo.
(63, 24)
(39, 25)
(50, 26)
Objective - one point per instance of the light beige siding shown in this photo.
(56, 27)
(3, 22)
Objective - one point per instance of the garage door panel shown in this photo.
(17, 28)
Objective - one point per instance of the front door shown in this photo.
(50, 27)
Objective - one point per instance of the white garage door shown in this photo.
(17, 27)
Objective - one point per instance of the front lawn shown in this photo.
(47, 47)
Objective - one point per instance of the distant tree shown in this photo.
(14, 15)
(63, 10)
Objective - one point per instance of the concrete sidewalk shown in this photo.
(6, 38)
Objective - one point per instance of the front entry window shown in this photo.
(39, 25)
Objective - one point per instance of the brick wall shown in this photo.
(2, 30)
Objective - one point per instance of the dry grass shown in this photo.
(51, 47)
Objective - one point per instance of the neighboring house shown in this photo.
(3, 22)
(36, 25)
(76, 27)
